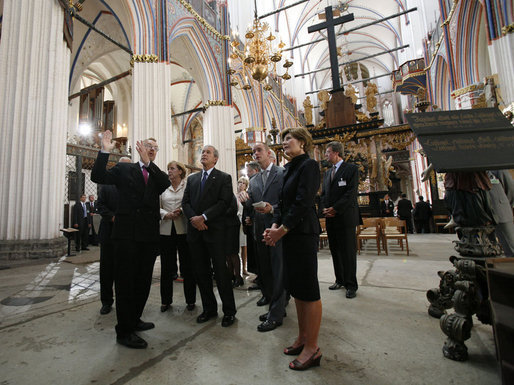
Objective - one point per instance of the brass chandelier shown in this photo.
(258, 57)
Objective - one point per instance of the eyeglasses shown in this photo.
(150, 147)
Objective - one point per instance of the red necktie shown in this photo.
(145, 174)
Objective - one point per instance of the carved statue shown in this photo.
(307, 105)
(323, 97)
(351, 93)
(371, 99)
(421, 93)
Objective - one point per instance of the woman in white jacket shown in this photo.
(173, 239)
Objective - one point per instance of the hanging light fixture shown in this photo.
(259, 58)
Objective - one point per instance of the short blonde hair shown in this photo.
(301, 134)
(180, 166)
(245, 180)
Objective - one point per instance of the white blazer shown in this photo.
(171, 199)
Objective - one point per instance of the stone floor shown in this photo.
(52, 332)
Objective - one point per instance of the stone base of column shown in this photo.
(33, 249)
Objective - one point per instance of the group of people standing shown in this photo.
(420, 213)
(152, 214)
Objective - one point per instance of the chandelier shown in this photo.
(259, 58)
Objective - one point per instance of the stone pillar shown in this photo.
(151, 109)
(34, 69)
(501, 55)
(218, 130)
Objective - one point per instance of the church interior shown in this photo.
(233, 73)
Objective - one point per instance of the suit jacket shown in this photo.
(137, 215)
(106, 206)
(90, 211)
(77, 213)
(390, 207)
(213, 201)
(297, 201)
(404, 207)
(269, 193)
(501, 195)
(341, 194)
(422, 211)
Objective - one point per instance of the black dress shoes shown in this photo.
(264, 317)
(190, 306)
(263, 301)
(335, 286)
(142, 326)
(227, 320)
(106, 309)
(85, 248)
(254, 287)
(350, 293)
(268, 326)
(164, 308)
(204, 317)
(132, 341)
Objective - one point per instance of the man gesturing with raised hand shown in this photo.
(135, 233)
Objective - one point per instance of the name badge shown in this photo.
(341, 183)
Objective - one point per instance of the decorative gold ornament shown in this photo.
(143, 59)
(259, 58)
(508, 29)
(202, 21)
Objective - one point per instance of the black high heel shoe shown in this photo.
(311, 362)
(164, 308)
(238, 281)
(290, 351)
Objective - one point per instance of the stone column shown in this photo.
(34, 69)
(218, 130)
(501, 55)
(151, 109)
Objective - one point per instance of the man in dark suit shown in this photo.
(266, 188)
(207, 196)
(422, 213)
(91, 211)
(404, 210)
(106, 206)
(135, 233)
(339, 199)
(81, 222)
(387, 206)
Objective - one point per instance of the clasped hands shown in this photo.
(173, 214)
(198, 222)
(272, 235)
(329, 212)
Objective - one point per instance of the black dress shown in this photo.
(298, 214)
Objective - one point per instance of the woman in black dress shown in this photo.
(298, 227)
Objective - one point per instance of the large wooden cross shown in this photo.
(329, 25)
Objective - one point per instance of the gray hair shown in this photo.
(254, 165)
(337, 147)
(215, 150)
(125, 159)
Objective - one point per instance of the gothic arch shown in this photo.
(190, 47)
(441, 83)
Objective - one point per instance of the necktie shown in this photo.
(332, 173)
(145, 174)
(264, 177)
(204, 178)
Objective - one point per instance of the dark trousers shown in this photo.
(343, 247)
(106, 272)
(271, 278)
(408, 221)
(81, 238)
(422, 226)
(93, 237)
(134, 262)
(204, 255)
(170, 244)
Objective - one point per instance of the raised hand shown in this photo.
(107, 143)
(143, 152)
